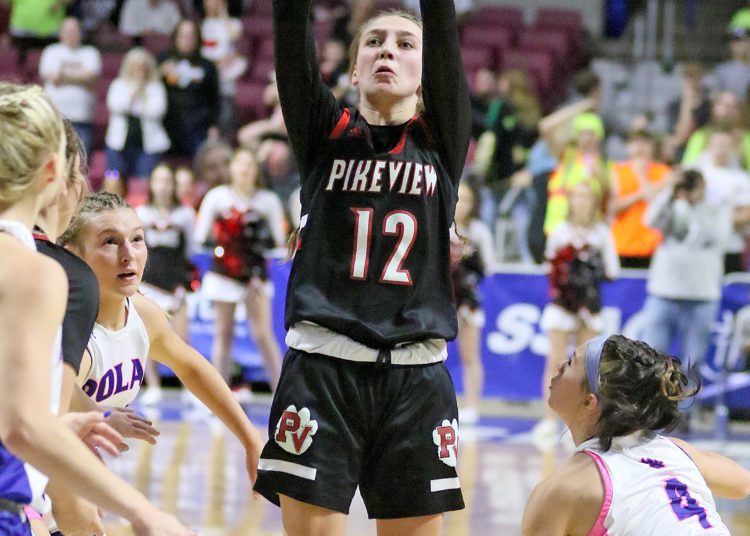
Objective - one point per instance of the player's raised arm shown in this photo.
(446, 93)
(305, 99)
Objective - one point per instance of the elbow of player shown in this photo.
(18, 434)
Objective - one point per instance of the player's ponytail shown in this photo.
(639, 389)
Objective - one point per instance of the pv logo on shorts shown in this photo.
(295, 430)
(445, 437)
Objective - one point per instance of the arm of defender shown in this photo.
(725, 477)
(199, 377)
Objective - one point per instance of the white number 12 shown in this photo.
(396, 223)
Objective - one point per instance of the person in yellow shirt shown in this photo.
(581, 161)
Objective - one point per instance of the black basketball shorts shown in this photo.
(338, 424)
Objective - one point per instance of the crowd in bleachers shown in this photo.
(185, 82)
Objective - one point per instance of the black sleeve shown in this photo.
(83, 302)
(212, 96)
(309, 108)
(446, 93)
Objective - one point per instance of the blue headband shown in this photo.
(593, 356)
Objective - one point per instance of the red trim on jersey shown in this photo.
(41, 236)
(340, 125)
(402, 142)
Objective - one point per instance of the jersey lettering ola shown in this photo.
(652, 488)
(117, 361)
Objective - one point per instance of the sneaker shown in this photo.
(243, 394)
(468, 416)
(151, 396)
(545, 434)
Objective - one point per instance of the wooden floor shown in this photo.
(196, 471)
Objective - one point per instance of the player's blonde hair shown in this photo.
(31, 130)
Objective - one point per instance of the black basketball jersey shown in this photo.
(377, 201)
(168, 238)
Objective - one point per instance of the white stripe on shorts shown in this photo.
(442, 484)
(291, 468)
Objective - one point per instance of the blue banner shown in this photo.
(514, 347)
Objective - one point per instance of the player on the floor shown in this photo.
(364, 397)
(107, 233)
(615, 395)
(33, 293)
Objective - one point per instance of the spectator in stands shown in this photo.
(139, 17)
(581, 161)
(137, 102)
(94, 15)
(636, 182)
(581, 253)
(186, 187)
(689, 112)
(512, 120)
(727, 185)
(334, 67)
(69, 71)
(684, 281)
(279, 167)
(35, 24)
(483, 92)
(725, 114)
(734, 75)
(252, 134)
(220, 35)
(211, 166)
(350, 17)
(192, 91)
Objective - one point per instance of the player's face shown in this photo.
(114, 247)
(566, 391)
(389, 60)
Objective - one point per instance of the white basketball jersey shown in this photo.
(652, 488)
(117, 361)
(36, 480)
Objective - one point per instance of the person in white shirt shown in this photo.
(139, 17)
(69, 71)
(220, 34)
(137, 102)
(728, 185)
(616, 394)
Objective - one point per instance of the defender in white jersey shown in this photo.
(33, 293)
(107, 233)
(625, 479)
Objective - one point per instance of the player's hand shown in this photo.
(156, 523)
(76, 516)
(94, 431)
(131, 425)
(253, 448)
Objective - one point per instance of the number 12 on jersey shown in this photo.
(396, 223)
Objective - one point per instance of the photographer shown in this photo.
(684, 282)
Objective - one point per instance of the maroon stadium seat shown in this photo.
(249, 101)
(477, 58)
(156, 43)
(498, 16)
(111, 62)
